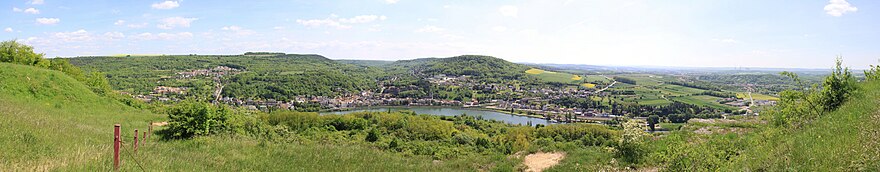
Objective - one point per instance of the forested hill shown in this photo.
(264, 77)
(485, 68)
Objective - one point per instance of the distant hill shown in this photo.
(374, 63)
(264, 77)
(478, 66)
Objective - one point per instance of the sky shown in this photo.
(688, 33)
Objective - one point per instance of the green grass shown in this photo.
(596, 78)
(558, 77)
(756, 96)
(703, 100)
(843, 140)
(51, 122)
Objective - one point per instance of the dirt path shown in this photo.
(540, 161)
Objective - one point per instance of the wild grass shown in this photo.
(50, 122)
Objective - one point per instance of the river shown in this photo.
(446, 111)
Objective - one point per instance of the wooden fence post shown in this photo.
(135, 141)
(144, 138)
(150, 131)
(116, 142)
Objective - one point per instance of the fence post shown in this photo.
(150, 131)
(144, 138)
(116, 141)
(135, 141)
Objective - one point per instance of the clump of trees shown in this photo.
(808, 102)
(14, 52)
(873, 73)
(17, 53)
(189, 118)
(625, 80)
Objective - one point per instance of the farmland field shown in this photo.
(703, 100)
(756, 96)
(558, 77)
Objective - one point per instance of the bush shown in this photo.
(873, 73)
(299, 121)
(14, 52)
(372, 136)
(189, 119)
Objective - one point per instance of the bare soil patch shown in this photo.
(542, 160)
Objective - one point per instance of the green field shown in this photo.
(558, 77)
(703, 100)
(756, 96)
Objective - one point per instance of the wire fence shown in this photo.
(125, 146)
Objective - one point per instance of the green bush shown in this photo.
(14, 52)
(189, 119)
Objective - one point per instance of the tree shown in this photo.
(14, 52)
(372, 135)
(631, 146)
(652, 120)
(873, 73)
(800, 106)
(189, 119)
(837, 87)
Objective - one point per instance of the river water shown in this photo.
(445, 111)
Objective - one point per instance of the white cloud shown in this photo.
(48, 21)
(162, 36)
(391, 1)
(172, 22)
(119, 22)
(726, 40)
(114, 35)
(837, 8)
(509, 10)
(363, 19)
(166, 5)
(238, 30)
(341, 23)
(75, 36)
(322, 22)
(430, 29)
(15, 9)
(37, 2)
(231, 28)
(32, 11)
(8, 29)
(142, 25)
(499, 29)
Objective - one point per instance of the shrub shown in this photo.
(873, 73)
(190, 119)
(299, 121)
(14, 52)
(372, 136)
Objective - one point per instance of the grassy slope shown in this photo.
(845, 140)
(49, 121)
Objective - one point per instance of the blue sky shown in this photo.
(718, 33)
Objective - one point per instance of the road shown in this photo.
(606, 87)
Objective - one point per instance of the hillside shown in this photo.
(277, 77)
(842, 140)
(847, 139)
(51, 122)
(481, 67)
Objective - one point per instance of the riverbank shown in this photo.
(451, 107)
(485, 113)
